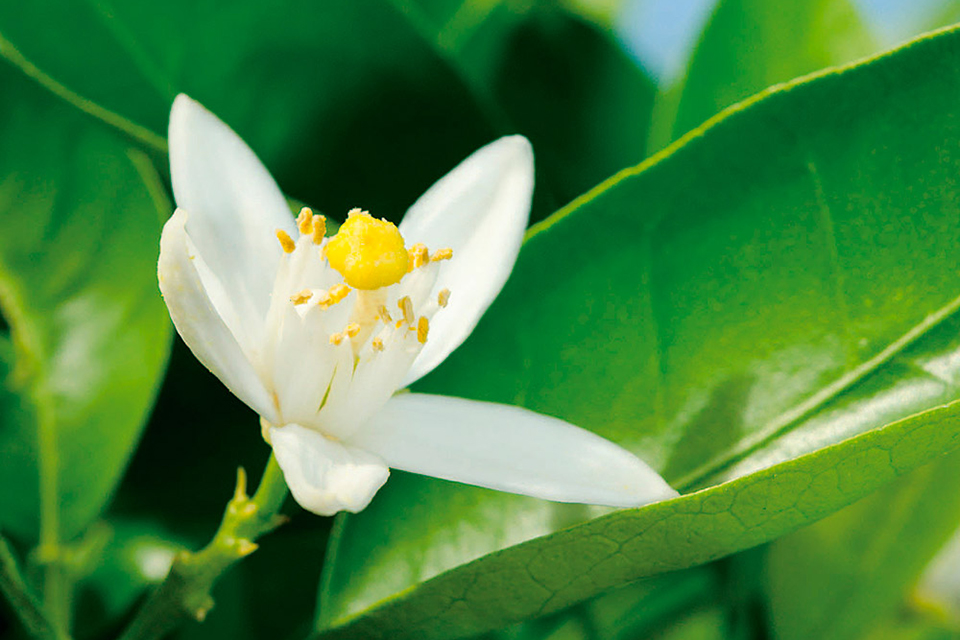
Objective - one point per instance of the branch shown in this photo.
(185, 594)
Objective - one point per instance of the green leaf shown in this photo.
(639, 610)
(81, 215)
(789, 268)
(336, 97)
(833, 580)
(554, 571)
(749, 45)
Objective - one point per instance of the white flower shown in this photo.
(320, 352)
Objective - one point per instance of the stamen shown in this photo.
(418, 256)
(442, 254)
(406, 305)
(301, 297)
(443, 297)
(352, 330)
(336, 338)
(377, 344)
(319, 228)
(286, 241)
(384, 314)
(423, 327)
(337, 292)
(305, 221)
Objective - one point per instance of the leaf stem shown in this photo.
(22, 600)
(185, 592)
(141, 134)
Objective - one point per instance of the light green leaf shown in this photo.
(81, 214)
(749, 45)
(838, 578)
(911, 625)
(336, 97)
(792, 267)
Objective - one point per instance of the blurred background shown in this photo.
(352, 104)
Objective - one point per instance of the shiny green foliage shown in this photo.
(741, 319)
(766, 312)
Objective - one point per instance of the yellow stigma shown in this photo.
(368, 253)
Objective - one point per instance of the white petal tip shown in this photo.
(184, 107)
(657, 491)
(516, 143)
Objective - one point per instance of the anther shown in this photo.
(377, 344)
(338, 292)
(319, 224)
(352, 330)
(423, 327)
(406, 305)
(419, 256)
(336, 338)
(443, 297)
(442, 254)
(286, 241)
(301, 297)
(305, 221)
(384, 314)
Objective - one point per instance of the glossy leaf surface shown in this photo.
(768, 274)
(750, 45)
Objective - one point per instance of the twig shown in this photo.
(185, 592)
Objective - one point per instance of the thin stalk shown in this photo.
(185, 594)
(22, 601)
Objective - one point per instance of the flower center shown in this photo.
(348, 316)
(368, 253)
(370, 256)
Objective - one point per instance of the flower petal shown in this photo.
(325, 476)
(509, 449)
(198, 322)
(235, 209)
(480, 210)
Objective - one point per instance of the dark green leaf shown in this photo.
(81, 216)
(639, 610)
(345, 101)
(768, 275)
(568, 86)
